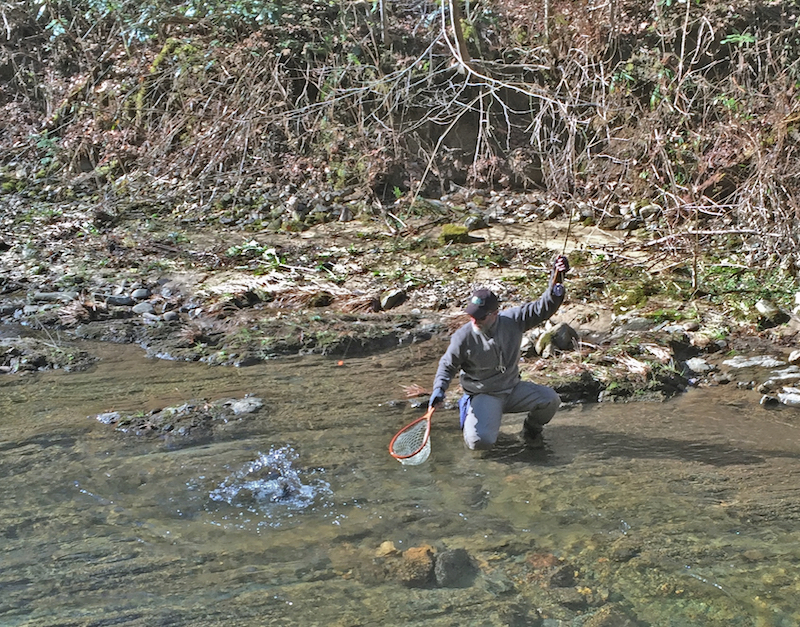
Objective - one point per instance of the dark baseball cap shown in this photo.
(482, 303)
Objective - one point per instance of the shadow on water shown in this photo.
(40, 441)
(607, 446)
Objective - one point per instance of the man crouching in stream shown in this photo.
(486, 351)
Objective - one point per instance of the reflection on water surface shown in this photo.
(677, 514)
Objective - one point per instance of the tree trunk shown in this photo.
(458, 32)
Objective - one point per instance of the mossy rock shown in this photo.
(632, 297)
(294, 226)
(457, 234)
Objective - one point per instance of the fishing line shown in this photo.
(564, 247)
(566, 237)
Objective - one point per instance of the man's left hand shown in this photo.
(560, 268)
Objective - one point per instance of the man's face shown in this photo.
(486, 323)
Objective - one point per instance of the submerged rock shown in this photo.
(387, 549)
(563, 576)
(454, 569)
(189, 419)
(416, 567)
(610, 617)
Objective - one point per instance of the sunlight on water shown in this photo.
(683, 514)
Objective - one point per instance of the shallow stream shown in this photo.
(684, 513)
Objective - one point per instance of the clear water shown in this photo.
(684, 513)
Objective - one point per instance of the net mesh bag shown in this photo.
(412, 446)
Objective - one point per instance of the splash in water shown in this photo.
(271, 487)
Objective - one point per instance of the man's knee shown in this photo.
(544, 411)
(478, 442)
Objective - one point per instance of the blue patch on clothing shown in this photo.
(463, 408)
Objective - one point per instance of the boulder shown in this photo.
(392, 298)
(564, 337)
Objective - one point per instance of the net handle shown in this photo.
(426, 416)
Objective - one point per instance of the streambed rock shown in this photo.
(454, 569)
(21, 355)
(563, 576)
(780, 378)
(777, 387)
(699, 366)
(143, 308)
(610, 616)
(421, 566)
(415, 568)
(54, 297)
(119, 300)
(790, 397)
(189, 420)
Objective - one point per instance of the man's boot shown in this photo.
(532, 434)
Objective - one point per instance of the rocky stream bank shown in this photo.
(329, 274)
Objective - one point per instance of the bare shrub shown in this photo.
(671, 103)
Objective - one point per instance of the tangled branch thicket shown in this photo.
(692, 107)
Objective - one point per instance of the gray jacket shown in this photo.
(489, 363)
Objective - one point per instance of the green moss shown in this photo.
(632, 297)
(186, 53)
(666, 315)
(327, 340)
(169, 47)
(109, 169)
